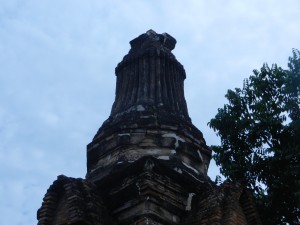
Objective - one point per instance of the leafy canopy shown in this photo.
(260, 139)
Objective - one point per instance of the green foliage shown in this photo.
(260, 139)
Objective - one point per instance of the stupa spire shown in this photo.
(150, 76)
(149, 116)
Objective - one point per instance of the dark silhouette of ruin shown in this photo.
(147, 164)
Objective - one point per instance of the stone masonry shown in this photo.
(147, 164)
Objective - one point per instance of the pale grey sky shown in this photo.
(57, 77)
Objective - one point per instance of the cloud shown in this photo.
(57, 74)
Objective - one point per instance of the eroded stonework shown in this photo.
(147, 164)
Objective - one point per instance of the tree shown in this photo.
(260, 140)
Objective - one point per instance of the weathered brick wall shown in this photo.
(147, 164)
(72, 201)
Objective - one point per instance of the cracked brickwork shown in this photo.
(147, 164)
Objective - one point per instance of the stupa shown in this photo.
(148, 163)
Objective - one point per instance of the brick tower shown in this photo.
(147, 164)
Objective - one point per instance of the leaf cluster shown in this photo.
(260, 139)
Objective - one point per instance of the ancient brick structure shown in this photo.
(148, 163)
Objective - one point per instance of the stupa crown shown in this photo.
(150, 78)
(150, 39)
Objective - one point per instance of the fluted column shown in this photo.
(150, 76)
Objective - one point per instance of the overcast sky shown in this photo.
(57, 82)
